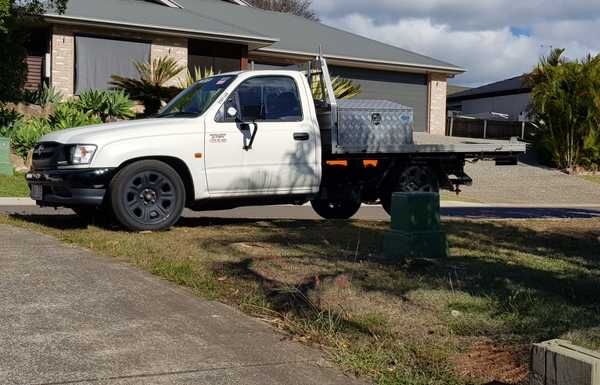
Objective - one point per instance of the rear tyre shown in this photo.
(411, 179)
(148, 195)
(336, 208)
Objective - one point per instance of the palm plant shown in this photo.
(69, 115)
(43, 96)
(565, 104)
(151, 87)
(107, 105)
(342, 88)
(192, 78)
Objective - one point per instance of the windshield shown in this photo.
(196, 99)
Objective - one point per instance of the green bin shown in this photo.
(416, 230)
(6, 167)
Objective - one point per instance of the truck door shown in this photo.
(262, 142)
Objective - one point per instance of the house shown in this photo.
(508, 99)
(94, 39)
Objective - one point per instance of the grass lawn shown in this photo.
(13, 186)
(467, 320)
(592, 178)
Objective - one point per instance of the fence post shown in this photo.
(451, 125)
(523, 130)
(485, 129)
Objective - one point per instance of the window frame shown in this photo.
(221, 116)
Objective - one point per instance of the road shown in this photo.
(373, 213)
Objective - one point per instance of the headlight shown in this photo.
(82, 153)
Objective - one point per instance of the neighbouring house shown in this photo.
(94, 39)
(508, 99)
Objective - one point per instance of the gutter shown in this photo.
(366, 63)
(255, 41)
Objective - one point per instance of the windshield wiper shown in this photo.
(178, 113)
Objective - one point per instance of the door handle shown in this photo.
(301, 136)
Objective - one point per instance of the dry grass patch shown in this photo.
(507, 284)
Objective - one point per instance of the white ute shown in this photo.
(251, 138)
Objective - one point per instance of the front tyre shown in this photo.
(336, 208)
(148, 195)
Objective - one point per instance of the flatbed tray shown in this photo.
(424, 143)
(428, 143)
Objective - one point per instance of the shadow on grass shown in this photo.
(540, 285)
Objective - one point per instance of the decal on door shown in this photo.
(217, 138)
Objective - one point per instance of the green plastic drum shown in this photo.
(6, 168)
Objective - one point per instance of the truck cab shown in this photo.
(237, 139)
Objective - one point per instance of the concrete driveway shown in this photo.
(68, 316)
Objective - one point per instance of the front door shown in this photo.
(269, 148)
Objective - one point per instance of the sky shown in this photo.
(491, 39)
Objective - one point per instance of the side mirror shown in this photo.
(232, 112)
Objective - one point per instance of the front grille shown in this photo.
(49, 155)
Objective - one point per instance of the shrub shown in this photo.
(150, 87)
(591, 151)
(27, 133)
(565, 104)
(107, 105)
(42, 97)
(69, 115)
(8, 121)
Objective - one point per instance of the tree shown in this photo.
(295, 7)
(566, 106)
(14, 16)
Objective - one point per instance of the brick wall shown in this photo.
(63, 59)
(63, 51)
(438, 84)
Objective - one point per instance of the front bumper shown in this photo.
(76, 187)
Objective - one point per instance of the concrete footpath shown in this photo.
(68, 316)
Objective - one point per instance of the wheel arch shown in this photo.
(177, 164)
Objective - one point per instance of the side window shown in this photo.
(265, 98)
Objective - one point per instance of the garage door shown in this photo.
(404, 88)
(97, 59)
